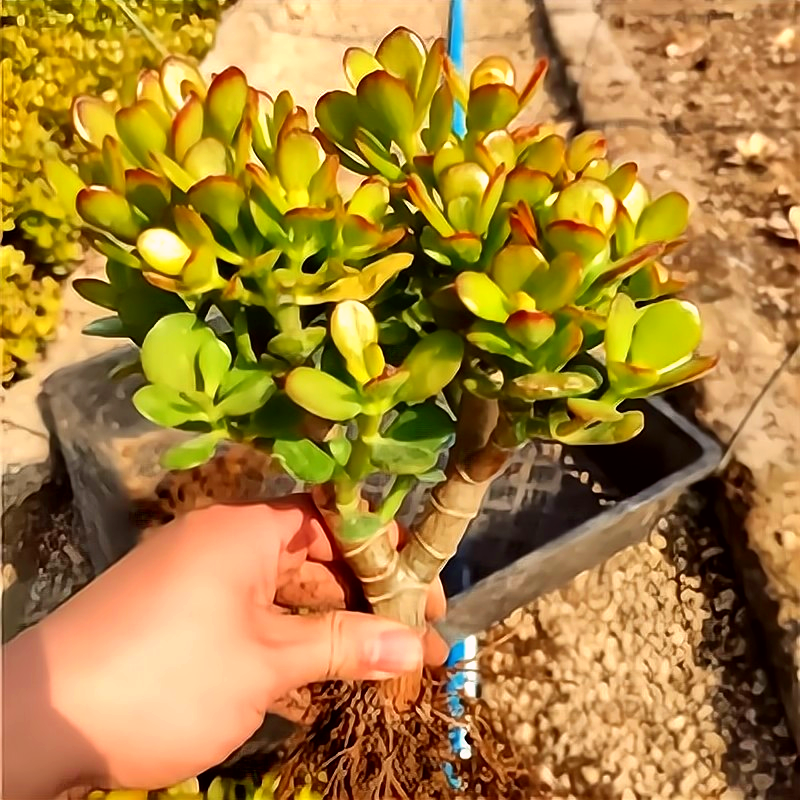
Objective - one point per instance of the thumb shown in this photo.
(343, 645)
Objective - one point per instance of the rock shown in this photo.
(112, 456)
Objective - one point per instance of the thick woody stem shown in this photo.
(454, 503)
(477, 418)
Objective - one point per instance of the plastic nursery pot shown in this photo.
(555, 512)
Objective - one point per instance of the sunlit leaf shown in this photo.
(322, 394)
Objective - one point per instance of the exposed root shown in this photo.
(361, 748)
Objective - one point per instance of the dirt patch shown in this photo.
(359, 747)
(724, 75)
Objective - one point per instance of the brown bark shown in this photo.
(453, 505)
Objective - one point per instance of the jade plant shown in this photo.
(473, 293)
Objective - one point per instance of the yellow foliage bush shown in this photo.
(53, 50)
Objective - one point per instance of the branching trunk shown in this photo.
(453, 505)
(396, 582)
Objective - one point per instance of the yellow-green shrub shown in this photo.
(53, 50)
(28, 310)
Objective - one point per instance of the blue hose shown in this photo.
(455, 49)
(464, 653)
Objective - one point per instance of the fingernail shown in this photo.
(394, 652)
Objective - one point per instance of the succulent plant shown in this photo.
(473, 292)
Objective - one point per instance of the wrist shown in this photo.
(43, 751)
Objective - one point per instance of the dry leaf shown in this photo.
(780, 226)
(755, 146)
(785, 39)
(794, 221)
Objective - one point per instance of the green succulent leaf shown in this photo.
(591, 410)
(378, 156)
(690, 370)
(322, 394)
(148, 192)
(664, 219)
(386, 106)
(219, 197)
(298, 157)
(187, 127)
(105, 209)
(173, 171)
(427, 425)
(566, 235)
(106, 328)
(206, 158)
(93, 120)
(358, 63)
(588, 201)
(622, 179)
(365, 284)
(170, 351)
(493, 338)
(213, 361)
(615, 431)
(166, 406)
(354, 330)
(402, 54)
(421, 198)
(98, 292)
(191, 454)
(530, 328)
(297, 347)
(381, 393)
(561, 347)
(440, 122)
(244, 391)
(622, 318)
(432, 364)
(225, 102)
(491, 107)
(176, 73)
(370, 200)
(585, 148)
(340, 448)
(143, 128)
(65, 182)
(163, 250)
(665, 334)
(401, 458)
(337, 116)
(549, 386)
(546, 155)
(514, 266)
(482, 296)
(304, 460)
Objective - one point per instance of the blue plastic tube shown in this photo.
(455, 49)
(463, 653)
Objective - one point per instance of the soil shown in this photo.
(725, 75)
(361, 748)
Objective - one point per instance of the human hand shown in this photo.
(168, 661)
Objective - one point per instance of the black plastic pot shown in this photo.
(555, 512)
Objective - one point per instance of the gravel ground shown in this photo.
(643, 680)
